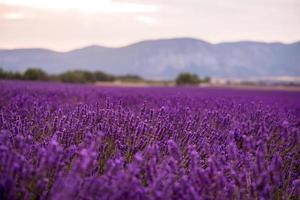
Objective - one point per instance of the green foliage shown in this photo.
(187, 79)
(3, 74)
(83, 76)
(77, 76)
(10, 75)
(191, 79)
(130, 78)
(80, 76)
(206, 80)
(35, 74)
(101, 76)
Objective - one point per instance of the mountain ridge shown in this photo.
(165, 58)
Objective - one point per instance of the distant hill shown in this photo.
(165, 58)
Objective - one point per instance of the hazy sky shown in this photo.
(67, 24)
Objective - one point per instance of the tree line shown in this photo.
(83, 76)
(190, 79)
(72, 76)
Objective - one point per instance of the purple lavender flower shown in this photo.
(63, 141)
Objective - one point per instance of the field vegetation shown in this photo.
(72, 141)
(83, 76)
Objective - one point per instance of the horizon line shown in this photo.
(146, 40)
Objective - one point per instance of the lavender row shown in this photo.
(60, 141)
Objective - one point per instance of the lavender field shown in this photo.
(61, 141)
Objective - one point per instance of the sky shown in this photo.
(67, 24)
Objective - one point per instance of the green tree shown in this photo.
(17, 76)
(101, 76)
(206, 79)
(77, 76)
(3, 74)
(187, 79)
(35, 74)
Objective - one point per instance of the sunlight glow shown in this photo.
(13, 15)
(87, 6)
(146, 20)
